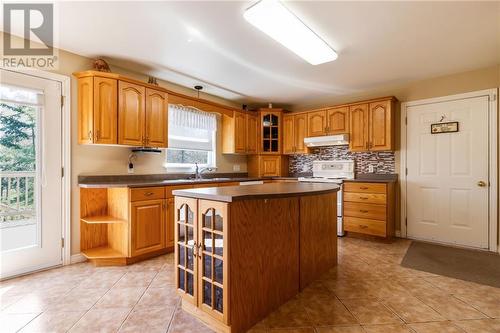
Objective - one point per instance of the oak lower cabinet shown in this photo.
(147, 223)
(369, 208)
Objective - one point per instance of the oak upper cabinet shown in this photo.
(337, 120)
(381, 125)
(358, 115)
(270, 131)
(97, 110)
(372, 126)
(239, 133)
(131, 114)
(147, 225)
(252, 124)
(156, 118)
(316, 123)
(294, 132)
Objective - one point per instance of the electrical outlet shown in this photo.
(130, 168)
(236, 167)
(371, 168)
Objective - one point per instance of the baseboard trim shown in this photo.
(76, 258)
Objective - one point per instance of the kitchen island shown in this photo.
(242, 251)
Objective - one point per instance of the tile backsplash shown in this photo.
(383, 162)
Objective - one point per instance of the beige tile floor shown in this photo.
(368, 292)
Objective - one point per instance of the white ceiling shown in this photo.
(209, 42)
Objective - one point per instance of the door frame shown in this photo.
(66, 153)
(493, 158)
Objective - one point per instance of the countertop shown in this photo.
(160, 182)
(265, 191)
(375, 178)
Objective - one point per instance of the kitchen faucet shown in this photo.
(198, 172)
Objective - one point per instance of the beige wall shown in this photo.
(105, 160)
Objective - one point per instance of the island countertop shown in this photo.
(264, 191)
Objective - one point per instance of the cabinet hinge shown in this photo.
(62, 172)
(62, 242)
(62, 100)
(494, 98)
(406, 221)
(406, 171)
(406, 120)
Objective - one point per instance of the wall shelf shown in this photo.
(102, 252)
(102, 219)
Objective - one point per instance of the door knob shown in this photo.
(481, 183)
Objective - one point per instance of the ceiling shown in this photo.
(210, 43)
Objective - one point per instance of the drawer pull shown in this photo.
(362, 226)
(363, 187)
(148, 194)
(363, 211)
(363, 198)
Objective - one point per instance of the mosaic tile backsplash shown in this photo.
(383, 162)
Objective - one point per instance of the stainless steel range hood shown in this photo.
(329, 140)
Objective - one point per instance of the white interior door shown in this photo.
(30, 173)
(446, 201)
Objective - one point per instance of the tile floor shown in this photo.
(367, 293)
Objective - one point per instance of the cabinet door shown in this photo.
(212, 259)
(300, 130)
(85, 110)
(131, 114)
(186, 247)
(170, 235)
(270, 166)
(147, 226)
(270, 132)
(156, 118)
(316, 123)
(381, 126)
(252, 124)
(338, 120)
(240, 143)
(358, 115)
(288, 134)
(105, 110)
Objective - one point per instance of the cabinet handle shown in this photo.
(363, 187)
(195, 250)
(97, 135)
(363, 198)
(90, 135)
(148, 194)
(363, 211)
(362, 226)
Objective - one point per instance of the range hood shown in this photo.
(328, 140)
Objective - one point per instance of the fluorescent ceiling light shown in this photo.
(275, 20)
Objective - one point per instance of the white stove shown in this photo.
(332, 172)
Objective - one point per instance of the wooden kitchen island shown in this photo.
(242, 251)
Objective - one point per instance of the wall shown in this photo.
(383, 162)
(105, 160)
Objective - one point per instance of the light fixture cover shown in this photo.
(275, 20)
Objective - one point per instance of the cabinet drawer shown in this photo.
(364, 187)
(368, 211)
(365, 226)
(147, 193)
(169, 189)
(374, 198)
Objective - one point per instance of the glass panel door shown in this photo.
(30, 170)
(270, 133)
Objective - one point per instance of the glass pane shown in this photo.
(267, 145)
(181, 214)
(189, 256)
(218, 221)
(219, 274)
(189, 283)
(219, 244)
(19, 126)
(181, 279)
(219, 299)
(274, 132)
(186, 156)
(207, 266)
(267, 132)
(274, 120)
(207, 241)
(190, 216)
(207, 219)
(190, 235)
(182, 255)
(207, 293)
(182, 233)
(274, 145)
(266, 120)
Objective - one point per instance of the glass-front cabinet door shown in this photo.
(271, 123)
(186, 221)
(212, 259)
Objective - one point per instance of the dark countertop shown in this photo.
(265, 191)
(375, 178)
(133, 181)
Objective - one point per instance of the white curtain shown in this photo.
(190, 128)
